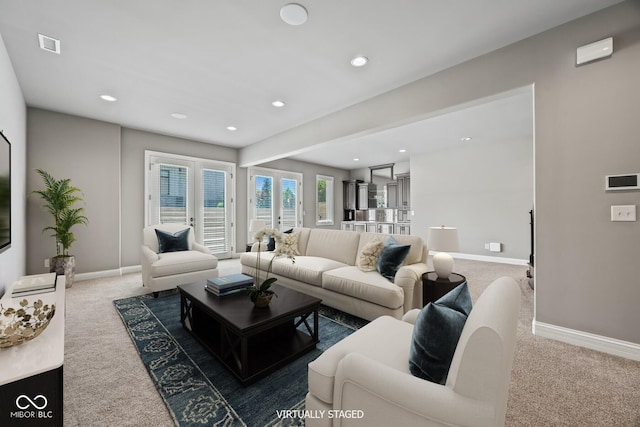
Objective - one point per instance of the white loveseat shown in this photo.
(327, 269)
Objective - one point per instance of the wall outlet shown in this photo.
(623, 213)
(46, 263)
(486, 246)
(495, 247)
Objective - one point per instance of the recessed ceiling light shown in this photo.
(356, 159)
(402, 150)
(109, 98)
(359, 61)
(294, 14)
(278, 103)
(466, 138)
(232, 128)
(49, 44)
(178, 116)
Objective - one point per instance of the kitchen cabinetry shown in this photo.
(350, 198)
(392, 195)
(403, 228)
(404, 190)
(366, 196)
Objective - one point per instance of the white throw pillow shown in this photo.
(369, 255)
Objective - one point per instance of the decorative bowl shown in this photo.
(18, 325)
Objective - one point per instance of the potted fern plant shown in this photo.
(60, 198)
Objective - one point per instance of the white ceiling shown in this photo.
(223, 62)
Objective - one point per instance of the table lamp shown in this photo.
(256, 225)
(443, 239)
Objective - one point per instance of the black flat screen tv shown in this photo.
(5, 192)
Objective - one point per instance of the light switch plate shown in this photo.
(623, 213)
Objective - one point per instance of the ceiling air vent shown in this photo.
(49, 44)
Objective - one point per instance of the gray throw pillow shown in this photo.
(436, 334)
(173, 242)
(391, 258)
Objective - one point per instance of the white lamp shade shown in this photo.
(256, 225)
(443, 239)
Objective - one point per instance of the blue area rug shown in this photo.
(196, 388)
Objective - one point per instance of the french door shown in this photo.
(195, 192)
(276, 197)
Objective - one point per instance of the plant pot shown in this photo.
(64, 265)
(263, 301)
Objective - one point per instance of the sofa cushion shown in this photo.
(393, 333)
(173, 242)
(338, 245)
(368, 286)
(307, 269)
(368, 256)
(436, 334)
(170, 263)
(391, 258)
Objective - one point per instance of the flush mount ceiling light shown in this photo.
(465, 139)
(359, 61)
(402, 150)
(49, 44)
(108, 98)
(293, 14)
(232, 128)
(178, 116)
(278, 103)
(356, 159)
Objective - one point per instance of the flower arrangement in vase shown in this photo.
(261, 293)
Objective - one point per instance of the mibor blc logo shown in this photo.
(31, 407)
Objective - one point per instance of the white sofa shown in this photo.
(327, 269)
(162, 271)
(367, 373)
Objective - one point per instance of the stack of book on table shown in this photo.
(226, 285)
(36, 284)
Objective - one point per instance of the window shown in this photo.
(277, 197)
(324, 200)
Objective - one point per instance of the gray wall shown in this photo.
(309, 172)
(585, 127)
(134, 143)
(88, 152)
(485, 190)
(13, 123)
(106, 161)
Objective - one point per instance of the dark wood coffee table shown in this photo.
(250, 342)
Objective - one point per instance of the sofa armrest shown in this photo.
(148, 258)
(200, 248)
(148, 255)
(387, 396)
(409, 278)
(411, 316)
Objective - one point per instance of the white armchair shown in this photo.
(367, 374)
(162, 271)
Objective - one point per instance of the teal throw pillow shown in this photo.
(436, 334)
(391, 258)
(173, 242)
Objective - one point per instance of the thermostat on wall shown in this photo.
(623, 182)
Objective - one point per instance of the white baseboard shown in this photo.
(107, 273)
(131, 269)
(625, 349)
(487, 258)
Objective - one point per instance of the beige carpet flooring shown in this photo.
(553, 384)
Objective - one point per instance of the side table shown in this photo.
(433, 287)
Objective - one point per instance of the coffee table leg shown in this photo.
(315, 326)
